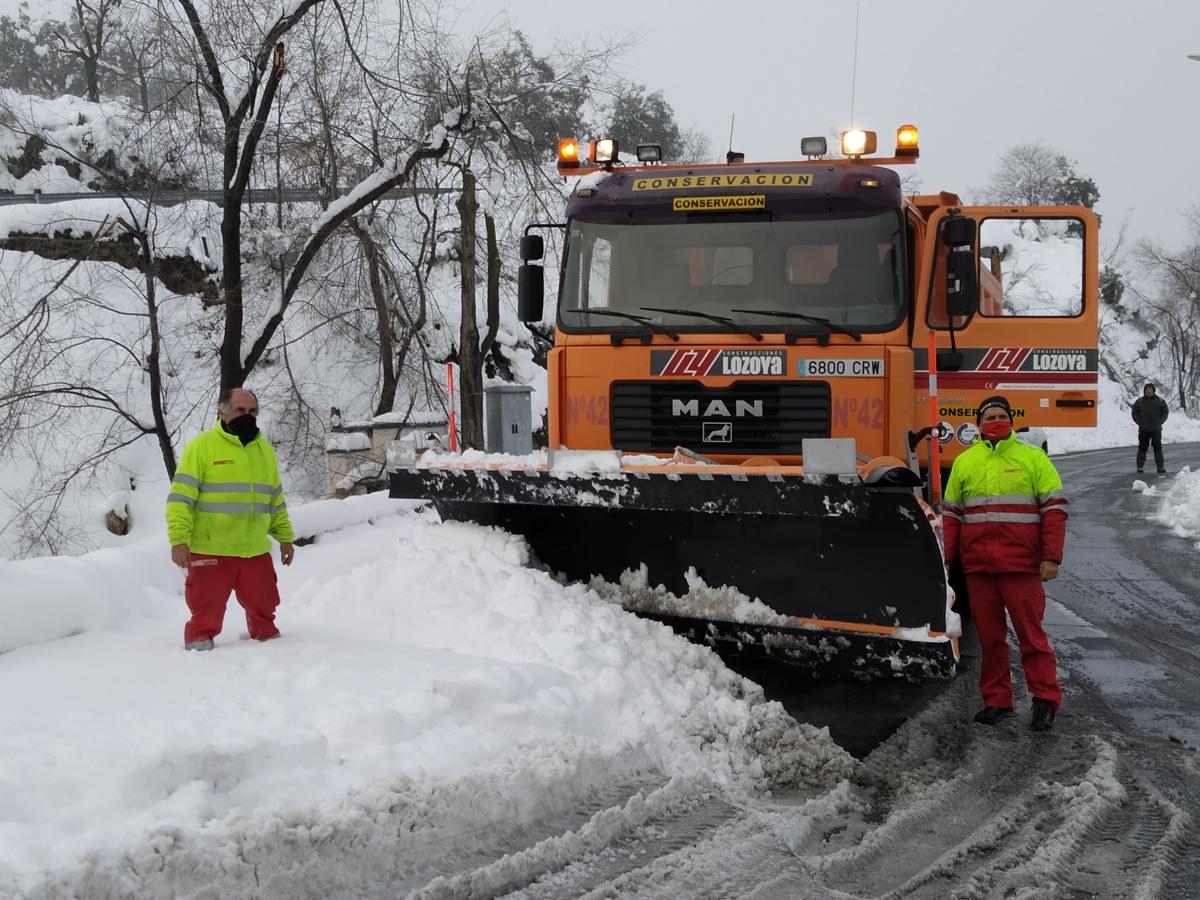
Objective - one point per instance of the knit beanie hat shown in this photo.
(1150, 384)
(988, 403)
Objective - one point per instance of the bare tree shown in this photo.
(243, 100)
(86, 38)
(1176, 313)
(89, 355)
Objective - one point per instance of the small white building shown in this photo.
(356, 453)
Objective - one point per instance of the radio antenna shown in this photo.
(732, 117)
(854, 65)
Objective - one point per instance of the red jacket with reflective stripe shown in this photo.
(1004, 508)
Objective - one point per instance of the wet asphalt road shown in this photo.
(1136, 588)
(1123, 616)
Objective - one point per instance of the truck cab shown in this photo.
(739, 309)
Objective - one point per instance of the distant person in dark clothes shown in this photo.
(1149, 413)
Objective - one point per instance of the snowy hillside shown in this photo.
(87, 339)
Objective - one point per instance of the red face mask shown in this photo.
(996, 430)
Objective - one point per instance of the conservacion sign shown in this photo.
(751, 179)
(724, 201)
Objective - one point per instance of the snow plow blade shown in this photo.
(851, 575)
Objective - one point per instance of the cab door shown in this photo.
(1033, 333)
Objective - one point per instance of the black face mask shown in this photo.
(245, 428)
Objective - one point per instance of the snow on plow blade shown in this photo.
(852, 574)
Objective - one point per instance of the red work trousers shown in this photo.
(1021, 594)
(209, 581)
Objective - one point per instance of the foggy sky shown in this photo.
(1106, 83)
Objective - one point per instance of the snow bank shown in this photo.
(48, 598)
(429, 688)
(1179, 508)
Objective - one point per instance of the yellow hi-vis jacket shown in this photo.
(226, 499)
(1004, 509)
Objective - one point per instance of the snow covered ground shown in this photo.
(427, 679)
(429, 687)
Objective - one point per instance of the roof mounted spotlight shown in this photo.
(649, 152)
(603, 151)
(813, 146)
(856, 143)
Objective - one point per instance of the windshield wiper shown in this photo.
(724, 320)
(641, 320)
(816, 320)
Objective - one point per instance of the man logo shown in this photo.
(717, 408)
(717, 433)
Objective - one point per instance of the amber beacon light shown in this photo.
(568, 152)
(907, 141)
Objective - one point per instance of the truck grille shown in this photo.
(748, 417)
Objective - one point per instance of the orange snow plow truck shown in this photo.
(761, 373)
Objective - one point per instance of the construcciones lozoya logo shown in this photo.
(718, 362)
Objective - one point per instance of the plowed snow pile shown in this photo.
(428, 688)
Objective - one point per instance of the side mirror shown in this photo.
(531, 289)
(962, 276)
(532, 247)
(957, 231)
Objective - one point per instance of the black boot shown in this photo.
(1043, 715)
(990, 715)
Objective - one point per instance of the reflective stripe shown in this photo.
(225, 507)
(225, 487)
(264, 489)
(187, 479)
(243, 508)
(280, 508)
(1005, 499)
(180, 498)
(980, 517)
(1053, 495)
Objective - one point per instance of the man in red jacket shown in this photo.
(1005, 517)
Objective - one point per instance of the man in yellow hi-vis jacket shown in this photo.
(226, 502)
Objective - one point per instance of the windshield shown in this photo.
(847, 271)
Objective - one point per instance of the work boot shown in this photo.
(990, 715)
(1043, 715)
(199, 645)
(1140, 470)
(1162, 471)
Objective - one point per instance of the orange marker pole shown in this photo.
(935, 445)
(452, 421)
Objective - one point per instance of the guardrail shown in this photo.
(175, 197)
